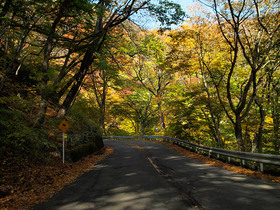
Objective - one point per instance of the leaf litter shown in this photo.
(28, 184)
(25, 184)
(221, 164)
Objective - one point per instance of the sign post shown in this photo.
(63, 126)
(63, 148)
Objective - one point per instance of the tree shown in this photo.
(105, 22)
(150, 70)
(108, 16)
(245, 27)
(200, 50)
(19, 21)
(142, 109)
(273, 96)
(104, 75)
(65, 34)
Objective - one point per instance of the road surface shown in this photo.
(147, 175)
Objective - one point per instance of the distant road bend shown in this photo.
(147, 175)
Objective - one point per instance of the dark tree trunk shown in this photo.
(161, 116)
(276, 137)
(238, 134)
(143, 127)
(87, 61)
(257, 143)
(276, 126)
(45, 66)
(103, 109)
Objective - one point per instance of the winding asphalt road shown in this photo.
(147, 175)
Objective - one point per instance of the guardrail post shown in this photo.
(261, 167)
(229, 159)
(243, 162)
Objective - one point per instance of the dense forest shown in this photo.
(214, 80)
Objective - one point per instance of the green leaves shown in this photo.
(167, 13)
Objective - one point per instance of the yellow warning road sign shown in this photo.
(64, 126)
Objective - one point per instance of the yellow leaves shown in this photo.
(269, 120)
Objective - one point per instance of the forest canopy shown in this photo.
(214, 80)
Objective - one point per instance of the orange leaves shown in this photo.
(27, 184)
(218, 163)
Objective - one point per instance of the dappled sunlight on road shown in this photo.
(147, 175)
(211, 186)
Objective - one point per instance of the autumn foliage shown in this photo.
(213, 81)
(27, 183)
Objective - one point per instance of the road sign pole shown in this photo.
(63, 148)
(63, 126)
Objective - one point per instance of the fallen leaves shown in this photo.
(27, 184)
(221, 164)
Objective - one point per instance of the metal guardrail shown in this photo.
(255, 157)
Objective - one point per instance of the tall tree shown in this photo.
(150, 70)
(108, 15)
(244, 26)
(200, 50)
(47, 50)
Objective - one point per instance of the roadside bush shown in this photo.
(84, 117)
(86, 149)
(17, 136)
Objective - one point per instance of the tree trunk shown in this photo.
(101, 97)
(238, 134)
(257, 142)
(45, 66)
(276, 138)
(161, 117)
(66, 86)
(218, 136)
(143, 127)
(102, 117)
(276, 126)
(87, 61)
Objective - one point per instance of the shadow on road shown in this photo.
(147, 175)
